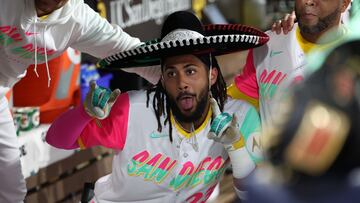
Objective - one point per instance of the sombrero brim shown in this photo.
(219, 39)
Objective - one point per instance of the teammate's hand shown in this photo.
(99, 100)
(224, 126)
(284, 25)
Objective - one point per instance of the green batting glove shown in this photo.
(99, 100)
(224, 128)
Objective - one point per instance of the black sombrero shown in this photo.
(183, 33)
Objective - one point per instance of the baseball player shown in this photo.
(272, 69)
(311, 152)
(174, 141)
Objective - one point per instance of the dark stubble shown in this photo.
(323, 24)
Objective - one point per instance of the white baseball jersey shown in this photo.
(281, 60)
(150, 168)
(271, 70)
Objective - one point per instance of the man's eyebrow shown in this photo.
(173, 67)
(168, 67)
(189, 64)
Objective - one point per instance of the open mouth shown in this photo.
(186, 102)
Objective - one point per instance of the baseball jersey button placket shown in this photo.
(181, 151)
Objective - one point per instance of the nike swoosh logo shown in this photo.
(157, 135)
(274, 53)
(31, 33)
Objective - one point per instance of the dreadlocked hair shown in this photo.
(161, 105)
(218, 90)
(161, 102)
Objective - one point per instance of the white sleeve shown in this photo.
(96, 36)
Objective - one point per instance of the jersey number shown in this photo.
(200, 197)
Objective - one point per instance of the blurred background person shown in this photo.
(275, 67)
(313, 146)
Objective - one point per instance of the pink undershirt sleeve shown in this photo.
(246, 82)
(75, 127)
(112, 131)
(65, 130)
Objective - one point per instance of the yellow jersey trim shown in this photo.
(235, 93)
(188, 134)
(305, 45)
(44, 17)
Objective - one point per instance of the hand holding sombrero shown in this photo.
(183, 33)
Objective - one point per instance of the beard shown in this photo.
(195, 115)
(323, 24)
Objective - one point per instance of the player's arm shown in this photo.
(250, 130)
(96, 36)
(93, 34)
(235, 135)
(245, 86)
(93, 124)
